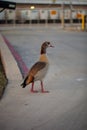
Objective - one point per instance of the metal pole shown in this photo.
(86, 22)
(83, 22)
(62, 19)
(70, 13)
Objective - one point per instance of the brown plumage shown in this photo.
(39, 69)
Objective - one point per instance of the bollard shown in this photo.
(83, 22)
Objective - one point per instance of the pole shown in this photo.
(83, 22)
(62, 18)
(70, 13)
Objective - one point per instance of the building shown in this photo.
(33, 11)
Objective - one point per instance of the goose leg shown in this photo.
(32, 88)
(42, 88)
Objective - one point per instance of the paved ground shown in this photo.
(65, 107)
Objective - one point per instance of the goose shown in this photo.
(38, 70)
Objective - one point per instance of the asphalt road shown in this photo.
(65, 107)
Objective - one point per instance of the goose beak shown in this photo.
(51, 45)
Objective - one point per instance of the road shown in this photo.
(65, 107)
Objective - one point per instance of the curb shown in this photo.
(10, 65)
(23, 68)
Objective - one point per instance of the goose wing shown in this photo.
(36, 68)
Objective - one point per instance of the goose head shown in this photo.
(44, 46)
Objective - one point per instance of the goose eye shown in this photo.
(48, 43)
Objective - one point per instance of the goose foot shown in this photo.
(42, 88)
(34, 91)
(45, 91)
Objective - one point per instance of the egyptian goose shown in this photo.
(39, 69)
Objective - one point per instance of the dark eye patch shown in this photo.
(47, 43)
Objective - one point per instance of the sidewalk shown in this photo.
(11, 98)
(12, 71)
(67, 27)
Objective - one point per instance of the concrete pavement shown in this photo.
(65, 107)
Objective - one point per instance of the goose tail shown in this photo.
(24, 84)
(29, 79)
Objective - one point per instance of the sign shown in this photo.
(53, 12)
